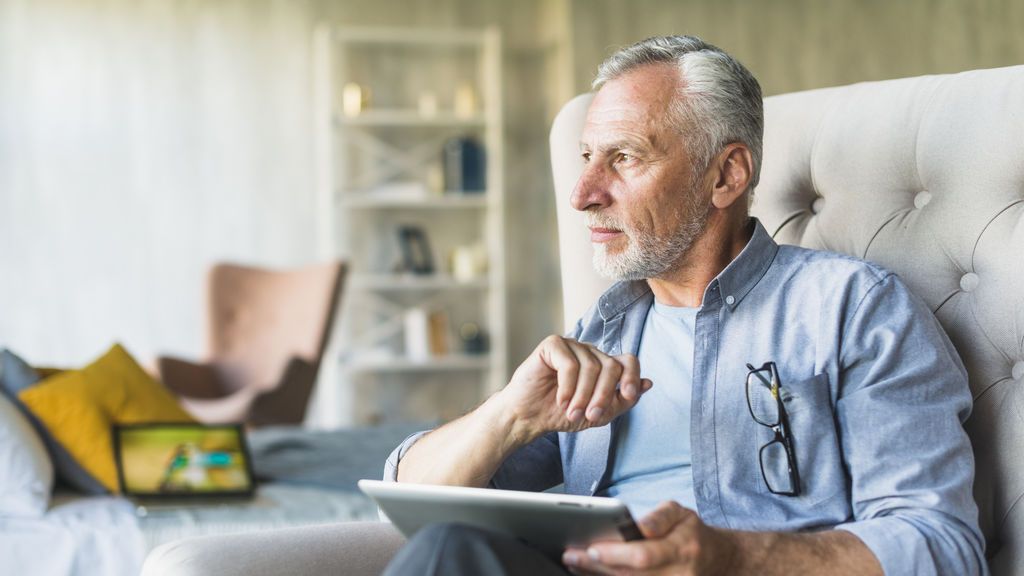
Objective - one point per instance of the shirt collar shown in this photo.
(735, 281)
(747, 269)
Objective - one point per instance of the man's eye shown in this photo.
(623, 157)
(585, 156)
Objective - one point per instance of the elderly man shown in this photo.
(760, 408)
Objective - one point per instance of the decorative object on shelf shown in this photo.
(416, 257)
(465, 165)
(437, 333)
(465, 100)
(474, 341)
(417, 339)
(352, 99)
(435, 177)
(427, 104)
(469, 263)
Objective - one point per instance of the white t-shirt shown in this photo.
(652, 461)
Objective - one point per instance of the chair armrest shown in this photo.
(286, 404)
(351, 548)
(188, 379)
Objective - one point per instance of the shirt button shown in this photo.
(730, 300)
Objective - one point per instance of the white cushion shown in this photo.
(26, 473)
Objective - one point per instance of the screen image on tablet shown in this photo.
(549, 522)
(176, 460)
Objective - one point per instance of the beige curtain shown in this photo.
(139, 142)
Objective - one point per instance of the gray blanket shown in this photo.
(328, 459)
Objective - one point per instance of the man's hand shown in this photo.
(563, 386)
(568, 386)
(676, 542)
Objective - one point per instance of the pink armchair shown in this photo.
(266, 334)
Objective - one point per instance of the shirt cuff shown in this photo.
(391, 465)
(899, 546)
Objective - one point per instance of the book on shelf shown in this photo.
(438, 333)
(426, 334)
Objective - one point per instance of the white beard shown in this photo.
(645, 255)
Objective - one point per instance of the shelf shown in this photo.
(397, 282)
(384, 167)
(366, 200)
(408, 118)
(451, 363)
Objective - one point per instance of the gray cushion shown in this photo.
(16, 375)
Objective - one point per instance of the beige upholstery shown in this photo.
(267, 331)
(352, 549)
(924, 176)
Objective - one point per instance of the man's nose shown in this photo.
(591, 189)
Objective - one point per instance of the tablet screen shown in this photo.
(168, 460)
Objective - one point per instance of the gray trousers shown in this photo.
(454, 549)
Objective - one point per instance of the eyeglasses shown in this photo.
(778, 460)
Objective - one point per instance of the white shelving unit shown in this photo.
(378, 161)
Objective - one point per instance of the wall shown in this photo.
(139, 142)
(800, 44)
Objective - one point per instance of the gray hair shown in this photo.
(719, 102)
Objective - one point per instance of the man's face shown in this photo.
(642, 199)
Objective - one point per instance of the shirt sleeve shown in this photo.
(902, 401)
(534, 467)
(391, 464)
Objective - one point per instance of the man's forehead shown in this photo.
(633, 106)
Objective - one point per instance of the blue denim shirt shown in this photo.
(876, 400)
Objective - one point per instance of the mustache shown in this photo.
(601, 220)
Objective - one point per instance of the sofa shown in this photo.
(924, 176)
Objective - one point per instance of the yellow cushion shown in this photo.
(46, 372)
(78, 407)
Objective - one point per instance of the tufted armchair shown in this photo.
(924, 176)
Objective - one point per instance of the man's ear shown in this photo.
(734, 166)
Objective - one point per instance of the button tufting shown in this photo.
(1018, 371)
(922, 199)
(817, 205)
(969, 282)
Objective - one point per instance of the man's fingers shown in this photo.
(660, 521)
(629, 383)
(586, 380)
(605, 388)
(556, 353)
(577, 561)
(638, 555)
(592, 385)
(620, 403)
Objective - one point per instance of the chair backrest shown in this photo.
(260, 320)
(924, 176)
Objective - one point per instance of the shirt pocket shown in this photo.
(812, 427)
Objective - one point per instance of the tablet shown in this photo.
(160, 462)
(549, 522)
